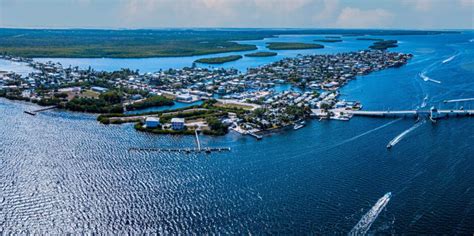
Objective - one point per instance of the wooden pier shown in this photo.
(198, 143)
(33, 113)
(258, 137)
(182, 150)
(198, 149)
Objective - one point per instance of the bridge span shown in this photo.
(435, 114)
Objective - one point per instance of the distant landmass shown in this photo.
(293, 46)
(261, 54)
(219, 60)
(82, 43)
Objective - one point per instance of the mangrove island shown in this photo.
(218, 60)
(261, 54)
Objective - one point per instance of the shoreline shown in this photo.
(256, 107)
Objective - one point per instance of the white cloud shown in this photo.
(467, 3)
(419, 5)
(329, 10)
(357, 18)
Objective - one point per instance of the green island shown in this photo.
(261, 54)
(293, 46)
(218, 60)
(328, 40)
(383, 45)
(98, 43)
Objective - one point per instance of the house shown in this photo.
(184, 97)
(177, 123)
(99, 89)
(136, 97)
(152, 122)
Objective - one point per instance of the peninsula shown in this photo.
(246, 103)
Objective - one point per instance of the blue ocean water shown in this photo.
(63, 172)
(20, 68)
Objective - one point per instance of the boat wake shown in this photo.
(471, 40)
(404, 133)
(363, 226)
(426, 78)
(365, 133)
(449, 59)
(424, 103)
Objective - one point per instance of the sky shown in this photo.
(393, 14)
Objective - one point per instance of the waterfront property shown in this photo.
(177, 123)
(251, 96)
(152, 122)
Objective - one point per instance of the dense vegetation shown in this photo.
(293, 46)
(155, 101)
(383, 45)
(216, 127)
(328, 40)
(261, 54)
(93, 105)
(150, 43)
(219, 60)
(109, 102)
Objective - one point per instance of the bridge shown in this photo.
(433, 113)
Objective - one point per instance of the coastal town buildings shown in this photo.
(272, 96)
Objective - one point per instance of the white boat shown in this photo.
(343, 118)
(298, 126)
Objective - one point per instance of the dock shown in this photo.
(198, 143)
(258, 137)
(183, 150)
(30, 113)
(197, 149)
(33, 113)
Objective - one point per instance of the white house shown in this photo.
(99, 89)
(177, 123)
(152, 122)
(184, 97)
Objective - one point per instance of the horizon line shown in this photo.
(233, 28)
